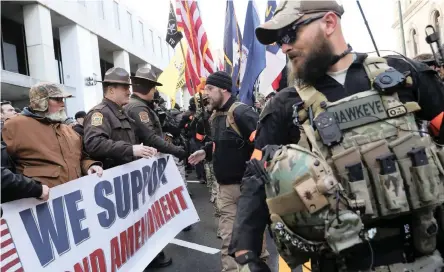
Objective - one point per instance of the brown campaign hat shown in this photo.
(117, 75)
(147, 74)
(290, 11)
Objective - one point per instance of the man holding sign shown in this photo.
(52, 154)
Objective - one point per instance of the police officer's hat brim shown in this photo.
(148, 80)
(115, 82)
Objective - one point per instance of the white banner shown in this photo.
(118, 222)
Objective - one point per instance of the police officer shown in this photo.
(297, 208)
(141, 109)
(109, 132)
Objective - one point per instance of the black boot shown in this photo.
(161, 260)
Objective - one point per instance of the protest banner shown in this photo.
(117, 222)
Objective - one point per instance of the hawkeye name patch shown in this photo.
(96, 119)
(144, 117)
(359, 112)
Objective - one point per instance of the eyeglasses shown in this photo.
(288, 35)
(57, 99)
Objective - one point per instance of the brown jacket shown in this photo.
(49, 152)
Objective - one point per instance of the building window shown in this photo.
(130, 24)
(13, 46)
(152, 39)
(160, 45)
(436, 22)
(141, 32)
(116, 15)
(101, 10)
(414, 37)
(58, 57)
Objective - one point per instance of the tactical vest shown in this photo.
(366, 161)
(230, 122)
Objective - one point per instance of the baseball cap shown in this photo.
(290, 11)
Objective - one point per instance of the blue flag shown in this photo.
(232, 46)
(271, 8)
(255, 55)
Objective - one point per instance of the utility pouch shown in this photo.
(426, 181)
(425, 229)
(401, 148)
(440, 155)
(359, 186)
(387, 183)
(392, 185)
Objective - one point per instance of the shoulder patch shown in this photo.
(96, 119)
(144, 117)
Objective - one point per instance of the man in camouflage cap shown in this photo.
(330, 84)
(46, 149)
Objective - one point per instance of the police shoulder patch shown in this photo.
(144, 117)
(96, 119)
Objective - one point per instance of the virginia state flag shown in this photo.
(255, 62)
(232, 46)
(275, 59)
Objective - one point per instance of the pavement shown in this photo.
(198, 249)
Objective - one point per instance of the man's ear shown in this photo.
(330, 23)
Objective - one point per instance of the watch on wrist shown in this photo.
(246, 258)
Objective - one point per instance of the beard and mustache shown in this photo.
(314, 65)
(59, 116)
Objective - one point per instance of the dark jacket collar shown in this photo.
(228, 104)
(148, 103)
(116, 109)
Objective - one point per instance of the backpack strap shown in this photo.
(230, 118)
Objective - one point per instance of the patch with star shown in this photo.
(144, 117)
(96, 119)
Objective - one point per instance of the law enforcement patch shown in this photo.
(96, 119)
(144, 117)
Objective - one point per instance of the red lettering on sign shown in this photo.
(97, 259)
(143, 230)
(166, 212)
(115, 255)
(78, 267)
(127, 244)
(137, 235)
(151, 226)
(158, 215)
(179, 193)
(172, 204)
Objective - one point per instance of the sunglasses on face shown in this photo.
(288, 35)
(57, 99)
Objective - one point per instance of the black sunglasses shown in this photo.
(288, 35)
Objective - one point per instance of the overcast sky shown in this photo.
(379, 14)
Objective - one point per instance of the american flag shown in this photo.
(10, 261)
(199, 62)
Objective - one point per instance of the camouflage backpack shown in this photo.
(366, 161)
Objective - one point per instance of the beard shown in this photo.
(59, 116)
(316, 64)
(216, 103)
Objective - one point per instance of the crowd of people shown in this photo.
(313, 145)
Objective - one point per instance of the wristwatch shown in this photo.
(246, 258)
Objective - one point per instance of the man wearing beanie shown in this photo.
(233, 126)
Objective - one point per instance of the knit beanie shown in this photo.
(221, 80)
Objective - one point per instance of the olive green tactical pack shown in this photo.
(230, 122)
(321, 197)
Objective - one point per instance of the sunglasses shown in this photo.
(58, 99)
(288, 35)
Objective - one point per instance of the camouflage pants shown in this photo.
(212, 184)
(181, 167)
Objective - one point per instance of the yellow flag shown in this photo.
(173, 77)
